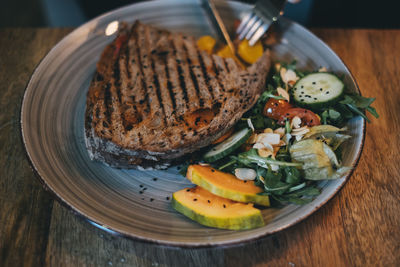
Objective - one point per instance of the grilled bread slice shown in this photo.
(156, 97)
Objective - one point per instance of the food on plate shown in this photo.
(211, 210)
(288, 142)
(226, 185)
(156, 96)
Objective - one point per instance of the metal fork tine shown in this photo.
(243, 23)
(261, 30)
(254, 28)
(256, 23)
(248, 27)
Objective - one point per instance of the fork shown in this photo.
(255, 23)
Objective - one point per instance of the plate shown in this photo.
(136, 203)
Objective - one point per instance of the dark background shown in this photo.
(311, 13)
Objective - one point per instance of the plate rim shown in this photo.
(166, 243)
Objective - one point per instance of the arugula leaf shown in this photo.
(357, 104)
(292, 175)
(252, 157)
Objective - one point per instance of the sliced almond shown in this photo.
(282, 72)
(258, 146)
(252, 139)
(280, 131)
(265, 153)
(282, 92)
(300, 132)
(281, 143)
(289, 75)
(270, 138)
(295, 123)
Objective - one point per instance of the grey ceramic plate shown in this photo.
(130, 202)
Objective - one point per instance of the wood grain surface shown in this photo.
(358, 227)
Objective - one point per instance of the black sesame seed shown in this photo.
(142, 198)
(212, 170)
(167, 198)
(302, 92)
(315, 98)
(302, 100)
(224, 206)
(208, 201)
(140, 192)
(155, 179)
(141, 185)
(195, 199)
(145, 188)
(313, 82)
(320, 89)
(327, 92)
(244, 181)
(302, 86)
(187, 190)
(151, 199)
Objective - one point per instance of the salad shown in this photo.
(288, 142)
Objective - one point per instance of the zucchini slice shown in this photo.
(228, 146)
(317, 90)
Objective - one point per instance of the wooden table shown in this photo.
(358, 227)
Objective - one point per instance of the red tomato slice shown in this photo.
(307, 117)
(275, 108)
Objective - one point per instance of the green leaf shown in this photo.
(357, 111)
(292, 175)
(372, 110)
(333, 114)
(252, 157)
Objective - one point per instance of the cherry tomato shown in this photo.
(307, 117)
(275, 108)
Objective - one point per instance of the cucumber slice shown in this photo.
(228, 146)
(317, 90)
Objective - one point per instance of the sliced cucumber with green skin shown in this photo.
(317, 90)
(228, 146)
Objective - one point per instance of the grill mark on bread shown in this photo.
(180, 74)
(217, 72)
(107, 102)
(226, 65)
(204, 94)
(158, 90)
(169, 84)
(179, 95)
(192, 75)
(193, 99)
(139, 62)
(207, 76)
